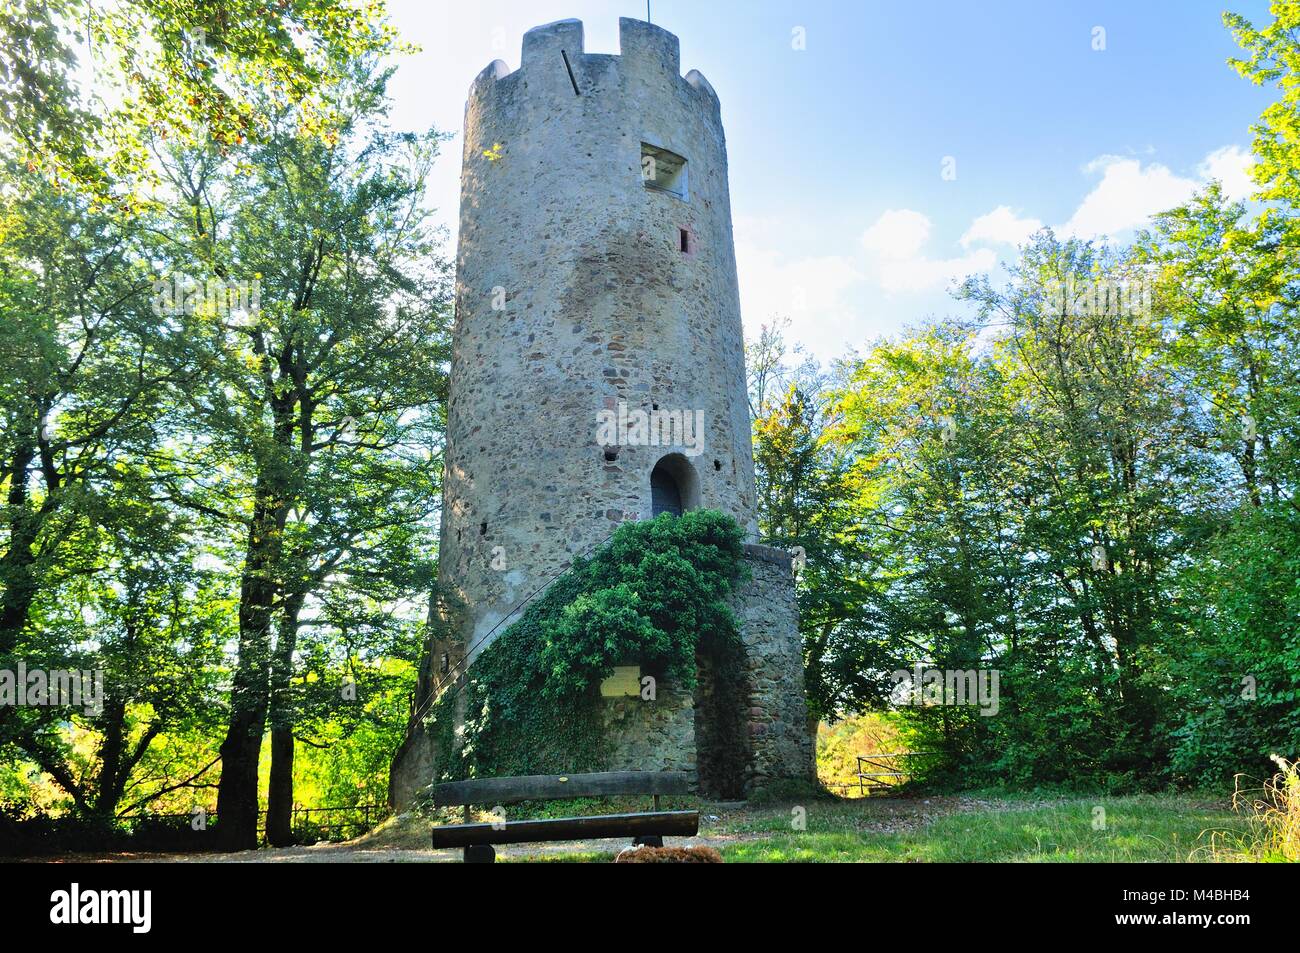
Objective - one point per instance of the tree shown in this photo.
(173, 72)
(93, 573)
(1274, 58)
(316, 431)
(81, 377)
(806, 503)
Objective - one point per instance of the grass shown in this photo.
(974, 826)
(979, 826)
(1133, 829)
(1273, 825)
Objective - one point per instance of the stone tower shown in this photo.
(598, 376)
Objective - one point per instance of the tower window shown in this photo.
(662, 170)
(684, 241)
(611, 454)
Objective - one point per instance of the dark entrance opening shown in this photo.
(674, 486)
(665, 494)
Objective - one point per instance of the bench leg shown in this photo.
(480, 854)
(649, 840)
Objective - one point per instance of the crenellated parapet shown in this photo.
(554, 61)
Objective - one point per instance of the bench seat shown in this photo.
(647, 824)
(649, 827)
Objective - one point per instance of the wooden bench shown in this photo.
(649, 827)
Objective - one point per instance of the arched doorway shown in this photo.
(674, 487)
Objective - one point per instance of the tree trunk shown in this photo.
(237, 792)
(17, 585)
(237, 805)
(112, 729)
(279, 796)
(813, 723)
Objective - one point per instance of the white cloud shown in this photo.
(1231, 166)
(897, 233)
(1126, 197)
(1000, 227)
(894, 244)
(896, 274)
(813, 291)
(929, 274)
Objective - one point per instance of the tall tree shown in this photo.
(321, 406)
(82, 375)
(806, 503)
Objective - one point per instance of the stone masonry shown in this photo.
(585, 285)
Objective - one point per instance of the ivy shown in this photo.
(653, 595)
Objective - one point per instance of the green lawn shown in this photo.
(1172, 828)
(1147, 828)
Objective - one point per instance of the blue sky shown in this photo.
(845, 219)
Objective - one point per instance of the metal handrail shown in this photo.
(867, 780)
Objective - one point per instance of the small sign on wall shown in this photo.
(624, 683)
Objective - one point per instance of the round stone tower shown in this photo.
(595, 278)
(597, 368)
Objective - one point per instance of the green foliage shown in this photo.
(168, 71)
(1235, 680)
(1273, 58)
(839, 744)
(1096, 504)
(177, 482)
(653, 595)
(806, 497)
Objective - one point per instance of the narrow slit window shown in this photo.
(684, 241)
(662, 170)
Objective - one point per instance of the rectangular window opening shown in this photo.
(684, 241)
(662, 170)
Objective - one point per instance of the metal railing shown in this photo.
(359, 823)
(891, 770)
(362, 817)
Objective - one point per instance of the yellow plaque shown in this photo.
(626, 681)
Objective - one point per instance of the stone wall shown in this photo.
(656, 735)
(777, 711)
(747, 724)
(721, 736)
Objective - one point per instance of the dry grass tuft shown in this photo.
(668, 855)
(1273, 834)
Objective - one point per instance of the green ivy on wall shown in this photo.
(653, 595)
